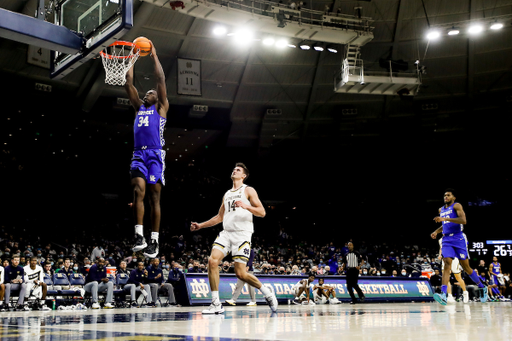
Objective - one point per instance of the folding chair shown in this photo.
(119, 293)
(49, 283)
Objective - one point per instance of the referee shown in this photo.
(352, 262)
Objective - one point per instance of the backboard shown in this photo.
(99, 22)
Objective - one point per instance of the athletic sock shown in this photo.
(139, 229)
(215, 297)
(474, 278)
(444, 289)
(265, 291)
(154, 236)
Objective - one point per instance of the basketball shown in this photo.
(144, 45)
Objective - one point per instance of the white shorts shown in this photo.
(319, 299)
(238, 243)
(456, 268)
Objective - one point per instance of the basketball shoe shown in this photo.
(140, 243)
(152, 250)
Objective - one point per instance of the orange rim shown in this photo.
(116, 43)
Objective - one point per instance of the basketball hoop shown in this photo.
(117, 59)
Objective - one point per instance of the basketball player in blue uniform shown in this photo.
(148, 161)
(497, 276)
(454, 245)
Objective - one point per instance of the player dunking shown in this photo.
(454, 244)
(239, 205)
(148, 161)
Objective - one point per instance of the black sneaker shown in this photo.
(22, 308)
(152, 250)
(140, 243)
(4, 307)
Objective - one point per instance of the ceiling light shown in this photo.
(304, 47)
(268, 41)
(291, 45)
(475, 29)
(220, 31)
(281, 43)
(318, 48)
(496, 26)
(432, 35)
(332, 49)
(243, 37)
(453, 31)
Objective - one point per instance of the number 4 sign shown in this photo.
(189, 77)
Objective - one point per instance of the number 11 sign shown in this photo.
(189, 77)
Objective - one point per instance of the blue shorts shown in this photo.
(151, 163)
(455, 246)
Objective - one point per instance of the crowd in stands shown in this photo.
(281, 256)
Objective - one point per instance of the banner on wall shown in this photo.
(374, 288)
(189, 77)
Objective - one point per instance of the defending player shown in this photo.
(455, 270)
(34, 277)
(239, 205)
(302, 289)
(454, 244)
(148, 161)
(322, 293)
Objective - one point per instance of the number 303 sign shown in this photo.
(189, 77)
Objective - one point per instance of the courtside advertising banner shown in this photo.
(374, 288)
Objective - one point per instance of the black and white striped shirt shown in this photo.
(352, 259)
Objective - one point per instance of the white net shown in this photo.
(117, 59)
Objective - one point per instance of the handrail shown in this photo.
(300, 14)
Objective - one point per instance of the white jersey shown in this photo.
(33, 275)
(1, 276)
(300, 284)
(236, 218)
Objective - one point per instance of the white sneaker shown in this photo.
(231, 302)
(45, 308)
(95, 305)
(312, 303)
(251, 304)
(334, 301)
(214, 309)
(465, 297)
(450, 299)
(108, 306)
(272, 301)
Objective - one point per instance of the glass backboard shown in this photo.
(99, 22)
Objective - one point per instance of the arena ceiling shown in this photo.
(463, 73)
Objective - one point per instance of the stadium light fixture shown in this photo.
(496, 26)
(303, 46)
(433, 35)
(453, 31)
(220, 31)
(269, 41)
(318, 48)
(281, 43)
(475, 29)
(332, 49)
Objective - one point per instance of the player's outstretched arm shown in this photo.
(217, 219)
(161, 88)
(133, 94)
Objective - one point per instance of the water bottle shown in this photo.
(53, 304)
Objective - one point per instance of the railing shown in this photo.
(297, 14)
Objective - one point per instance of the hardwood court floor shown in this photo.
(385, 321)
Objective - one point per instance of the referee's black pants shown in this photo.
(352, 277)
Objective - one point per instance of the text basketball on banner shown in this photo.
(189, 77)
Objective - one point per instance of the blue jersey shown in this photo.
(496, 268)
(450, 228)
(148, 129)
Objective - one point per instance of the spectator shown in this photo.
(122, 268)
(97, 252)
(97, 282)
(327, 270)
(66, 268)
(435, 280)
